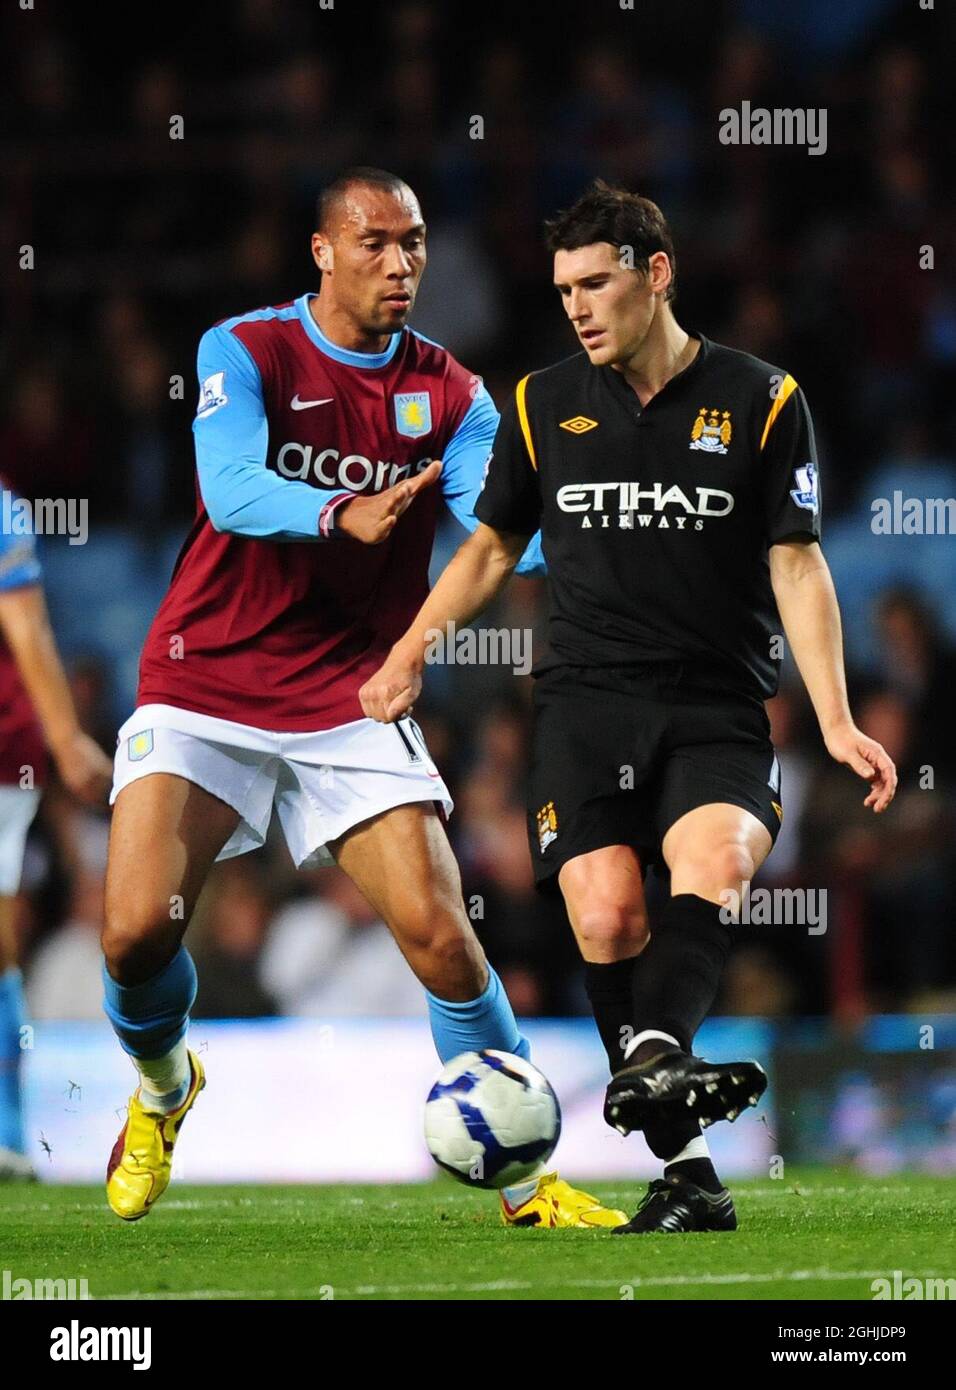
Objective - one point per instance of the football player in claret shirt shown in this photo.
(38, 720)
(675, 485)
(326, 433)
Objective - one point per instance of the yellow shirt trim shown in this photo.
(523, 419)
(786, 391)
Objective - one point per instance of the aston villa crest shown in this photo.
(712, 431)
(413, 413)
(140, 746)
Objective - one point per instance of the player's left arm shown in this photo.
(464, 462)
(810, 614)
(804, 591)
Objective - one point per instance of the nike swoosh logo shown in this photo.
(296, 404)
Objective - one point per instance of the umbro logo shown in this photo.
(296, 404)
(578, 424)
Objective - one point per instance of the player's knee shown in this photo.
(726, 866)
(611, 928)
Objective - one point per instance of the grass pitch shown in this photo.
(818, 1234)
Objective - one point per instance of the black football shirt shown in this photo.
(656, 521)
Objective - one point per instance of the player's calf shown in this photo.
(150, 1019)
(443, 952)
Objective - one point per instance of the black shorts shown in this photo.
(620, 755)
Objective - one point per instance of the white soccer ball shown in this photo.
(491, 1118)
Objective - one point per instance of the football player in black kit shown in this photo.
(675, 483)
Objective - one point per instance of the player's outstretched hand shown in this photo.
(392, 691)
(869, 760)
(84, 769)
(372, 520)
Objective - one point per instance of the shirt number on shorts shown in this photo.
(414, 754)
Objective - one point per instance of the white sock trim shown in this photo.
(636, 1041)
(697, 1148)
(162, 1076)
(518, 1192)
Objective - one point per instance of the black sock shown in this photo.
(665, 1138)
(698, 1170)
(612, 1001)
(650, 1047)
(676, 977)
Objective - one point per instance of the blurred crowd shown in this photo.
(140, 241)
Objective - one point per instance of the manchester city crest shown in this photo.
(712, 431)
(547, 826)
(413, 413)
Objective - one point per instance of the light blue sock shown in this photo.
(487, 1021)
(12, 1018)
(149, 1019)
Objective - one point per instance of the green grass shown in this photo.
(820, 1234)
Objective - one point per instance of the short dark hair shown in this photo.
(356, 174)
(606, 213)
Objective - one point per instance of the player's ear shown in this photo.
(659, 274)
(321, 251)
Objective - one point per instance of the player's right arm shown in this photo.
(508, 511)
(244, 497)
(241, 495)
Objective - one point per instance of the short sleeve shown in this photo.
(464, 457)
(790, 469)
(510, 499)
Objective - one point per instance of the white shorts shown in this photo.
(319, 784)
(17, 809)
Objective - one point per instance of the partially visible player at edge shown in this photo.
(326, 432)
(675, 485)
(37, 717)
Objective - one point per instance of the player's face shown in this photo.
(374, 253)
(611, 306)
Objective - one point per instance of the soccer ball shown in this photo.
(491, 1118)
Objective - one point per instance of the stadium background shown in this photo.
(141, 241)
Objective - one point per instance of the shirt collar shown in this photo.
(618, 382)
(368, 360)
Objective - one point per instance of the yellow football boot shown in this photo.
(555, 1202)
(138, 1172)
